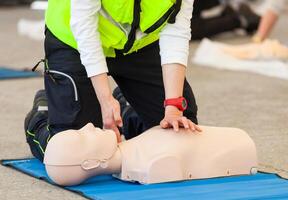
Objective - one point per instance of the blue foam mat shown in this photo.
(6, 73)
(260, 186)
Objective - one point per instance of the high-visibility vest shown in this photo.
(118, 22)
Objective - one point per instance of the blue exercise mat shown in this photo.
(261, 186)
(6, 73)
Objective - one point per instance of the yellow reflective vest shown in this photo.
(148, 16)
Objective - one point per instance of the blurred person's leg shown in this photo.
(200, 5)
(228, 20)
(249, 19)
(15, 2)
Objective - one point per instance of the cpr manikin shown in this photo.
(267, 50)
(157, 155)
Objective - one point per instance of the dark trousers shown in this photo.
(208, 27)
(72, 102)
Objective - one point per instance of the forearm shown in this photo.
(110, 108)
(267, 23)
(173, 78)
(174, 51)
(101, 87)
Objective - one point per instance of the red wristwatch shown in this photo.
(180, 103)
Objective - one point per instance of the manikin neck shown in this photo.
(114, 165)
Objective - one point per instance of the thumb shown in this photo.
(164, 124)
(117, 116)
(117, 132)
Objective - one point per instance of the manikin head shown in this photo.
(72, 156)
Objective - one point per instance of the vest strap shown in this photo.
(172, 17)
(134, 27)
(161, 21)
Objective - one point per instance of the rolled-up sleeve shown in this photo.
(84, 26)
(174, 38)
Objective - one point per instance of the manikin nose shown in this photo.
(87, 127)
(92, 128)
(90, 125)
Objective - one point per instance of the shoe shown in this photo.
(248, 19)
(38, 112)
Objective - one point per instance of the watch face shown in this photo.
(184, 103)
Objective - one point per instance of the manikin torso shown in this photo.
(162, 155)
(155, 156)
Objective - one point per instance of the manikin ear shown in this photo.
(92, 164)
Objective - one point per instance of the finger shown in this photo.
(185, 123)
(108, 123)
(164, 124)
(198, 128)
(192, 126)
(117, 116)
(175, 126)
(117, 132)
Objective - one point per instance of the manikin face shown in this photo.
(76, 147)
(72, 156)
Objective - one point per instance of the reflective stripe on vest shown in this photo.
(119, 23)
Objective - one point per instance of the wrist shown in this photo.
(101, 87)
(104, 98)
(179, 103)
(171, 109)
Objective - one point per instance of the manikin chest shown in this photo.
(163, 156)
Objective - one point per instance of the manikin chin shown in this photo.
(157, 155)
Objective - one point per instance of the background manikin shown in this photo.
(157, 155)
(267, 50)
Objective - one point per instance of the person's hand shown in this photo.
(256, 39)
(110, 107)
(111, 117)
(174, 119)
